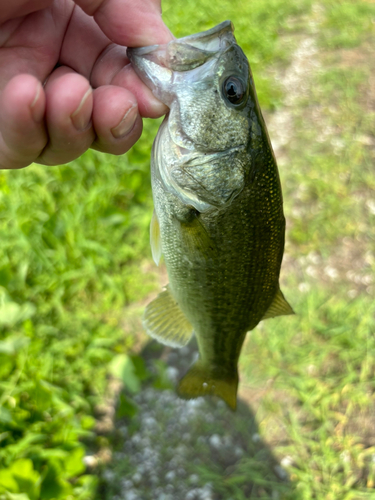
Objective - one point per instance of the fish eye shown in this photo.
(234, 90)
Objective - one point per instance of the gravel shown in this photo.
(168, 450)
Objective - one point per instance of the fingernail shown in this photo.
(156, 107)
(36, 107)
(82, 115)
(126, 124)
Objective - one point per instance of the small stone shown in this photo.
(205, 495)
(136, 439)
(280, 472)
(90, 460)
(137, 477)
(195, 403)
(131, 495)
(181, 472)
(149, 422)
(154, 479)
(206, 492)
(192, 494)
(170, 476)
(108, 475)
(255, 438)
(164, 496)
(126, 484)
(286, 461)
(172, 374)
(194, 479)
(180, 450)
(215, 441)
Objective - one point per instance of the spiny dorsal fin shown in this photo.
(165, 322)
(279, 306)
(155, 238)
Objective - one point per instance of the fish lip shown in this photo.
(140, 51)
(161, 66)
(219, 29)
(215, 32)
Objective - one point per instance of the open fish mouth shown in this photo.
(160, 66)
(188, 75)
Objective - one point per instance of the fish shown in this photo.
(218, 209)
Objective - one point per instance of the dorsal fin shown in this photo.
(155, 240)
(278, 307)
(165, 322)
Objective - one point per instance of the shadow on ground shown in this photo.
(188, 450)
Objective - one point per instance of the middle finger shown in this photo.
(69, 104)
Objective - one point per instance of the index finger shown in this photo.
(129, 23)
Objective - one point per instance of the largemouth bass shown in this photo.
(218, 216)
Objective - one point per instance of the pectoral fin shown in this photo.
(197, 238)
(165, 322)
(155, 240)
(279, 306)
(201, 381)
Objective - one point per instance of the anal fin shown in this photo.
(165, 322)
(201, 381)
(278, 307)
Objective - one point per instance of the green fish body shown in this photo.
(218, 216)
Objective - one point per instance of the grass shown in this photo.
(324, 358)
(73, 240)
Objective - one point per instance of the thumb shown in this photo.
(128, 22)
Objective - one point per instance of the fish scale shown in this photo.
(218, 218)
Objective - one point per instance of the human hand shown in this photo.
(65, 81)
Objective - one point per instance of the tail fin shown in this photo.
(201, 381)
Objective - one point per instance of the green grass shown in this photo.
(323, 360)
(72, 241)
(74, 238)
(347, 23)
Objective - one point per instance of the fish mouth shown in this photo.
(160, 66)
